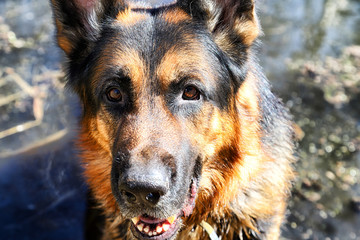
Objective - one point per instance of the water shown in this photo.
(301, 53)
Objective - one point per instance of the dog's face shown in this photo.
(158, 86)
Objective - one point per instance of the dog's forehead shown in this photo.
(156, 57)
(165, 46)
(153, 37)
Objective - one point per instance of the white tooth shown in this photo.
(154, 233)
(150, 234)
(135, 220)
(159, 229)
(171, 219)
(166, 227)
(146, 229)
(140, 227)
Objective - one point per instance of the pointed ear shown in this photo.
(232, 22)
(78, 21)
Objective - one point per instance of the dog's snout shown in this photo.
(147, 177)
(139, 192)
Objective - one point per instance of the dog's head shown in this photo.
(158, 85)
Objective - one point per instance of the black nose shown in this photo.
(147, 193)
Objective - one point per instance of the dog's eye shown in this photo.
(114, 95)
(191, 93)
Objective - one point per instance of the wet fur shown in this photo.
(241, 131)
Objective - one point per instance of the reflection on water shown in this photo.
(300, 36)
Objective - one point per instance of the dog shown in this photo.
(181, 137)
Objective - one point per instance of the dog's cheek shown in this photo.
(211, 129)
(97, 162)
(99, 128)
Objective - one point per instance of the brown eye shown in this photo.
(114, 95)
(191, 93)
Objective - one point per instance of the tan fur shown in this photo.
(176, 16)
(63, 42)
(177, 62)
(130, 18)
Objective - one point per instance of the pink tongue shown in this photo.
(151, 220)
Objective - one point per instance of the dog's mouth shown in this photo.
(148, 227)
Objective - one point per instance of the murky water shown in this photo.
(300, 36)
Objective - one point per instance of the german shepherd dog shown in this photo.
(180, 133)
